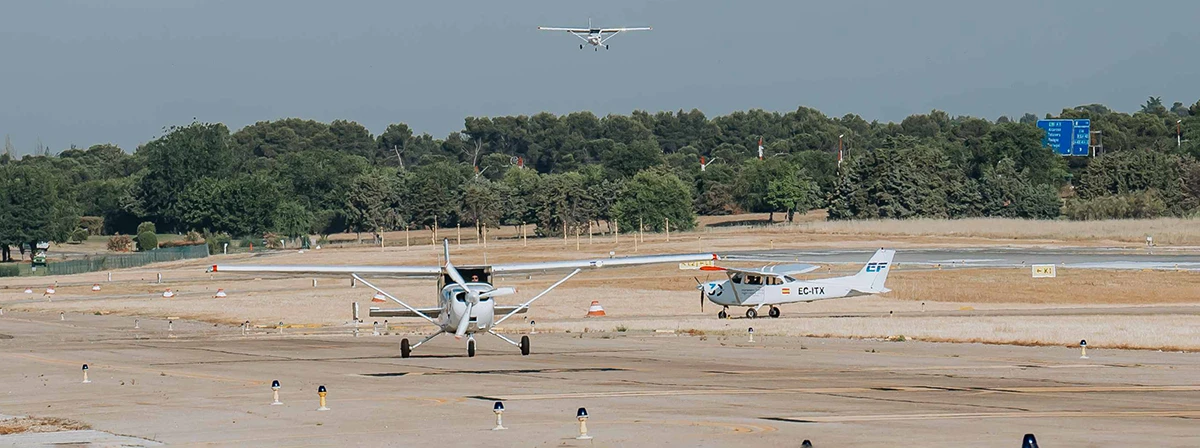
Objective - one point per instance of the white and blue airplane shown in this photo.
(771, 286)
(596, 37)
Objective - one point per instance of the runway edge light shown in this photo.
(498, 409)
(582, 416)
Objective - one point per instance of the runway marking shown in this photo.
(1189, 413)
(842, 390)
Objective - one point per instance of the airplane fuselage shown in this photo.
(753, 292)
(454, 306)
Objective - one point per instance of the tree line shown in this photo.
(294, 177)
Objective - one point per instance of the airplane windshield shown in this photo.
(736, 278)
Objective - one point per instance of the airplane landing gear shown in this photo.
(524, 345)
(774, 312)
(405, 349)
(471, 347)
(751, 313)
(724, 314)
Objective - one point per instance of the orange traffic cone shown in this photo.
(220, 294)
(378, 298)
(96, 287)
(168, 294)
(595, 310)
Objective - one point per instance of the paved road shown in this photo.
(208, 385)
(997, 257)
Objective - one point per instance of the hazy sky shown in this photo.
(93, 71)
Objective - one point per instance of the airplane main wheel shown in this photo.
(722, 315)
(405, 349)
(774, 312)
(471, 348)
(751, 313)
(524, 345)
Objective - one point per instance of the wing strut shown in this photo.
(414, 310)
(530, 302)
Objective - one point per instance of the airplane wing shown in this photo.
(619, 30)
(598, 263)
(569, 30)
(767, 271)
(416, 271)
(433, 313)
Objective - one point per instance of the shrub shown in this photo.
(9, 270)
(93, 224)
(147, 241)
(179, 243)
(120, 243)
(273, 241)
(146, 227)
(216, 241)
(79, 235)
(193, 237)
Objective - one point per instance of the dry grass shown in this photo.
(1071, 287)
(22, 425)
(1166, 231)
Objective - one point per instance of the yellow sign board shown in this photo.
(695, 265)
(1044, 271)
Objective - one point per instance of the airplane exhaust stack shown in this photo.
(595, 310)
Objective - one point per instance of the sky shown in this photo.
(84, 72)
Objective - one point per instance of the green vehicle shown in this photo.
(39, 254)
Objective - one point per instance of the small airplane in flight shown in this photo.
(465, 307)
(594, 36)
(774, 285)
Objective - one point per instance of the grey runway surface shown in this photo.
(205, 384)
(1093, 258)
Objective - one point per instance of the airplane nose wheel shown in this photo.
(471, 347)
(524, 345)
(774, 312)
(405, 348)
(751, 313)
(723, 314)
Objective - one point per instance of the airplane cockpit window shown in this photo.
(753, 280)
(736, 278)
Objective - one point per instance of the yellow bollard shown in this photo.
(321, 393)
(582, 415)
(85, 378)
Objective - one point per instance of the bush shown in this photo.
(147, 241)
(93, 224)
(79, 235)
(120, 243)
(9, 270)
(216, 241)
(1139, 205)
(146, 227)
(193, 237)
(273, 241)
(179, 243)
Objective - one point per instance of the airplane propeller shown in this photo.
(472, 296)
(700, 286)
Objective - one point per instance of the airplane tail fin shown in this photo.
(873, 275)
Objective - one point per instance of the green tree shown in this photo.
(370, 204)
(792, 194)
(292, 220)
(651, 198)
(175, 162)
(35, 205)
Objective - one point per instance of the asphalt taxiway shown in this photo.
(205, 384)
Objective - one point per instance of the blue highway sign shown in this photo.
(1067, 137)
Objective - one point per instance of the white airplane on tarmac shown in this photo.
(465, 307)
(594, 36)
(773, 285)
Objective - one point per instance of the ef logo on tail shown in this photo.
(876, 267)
